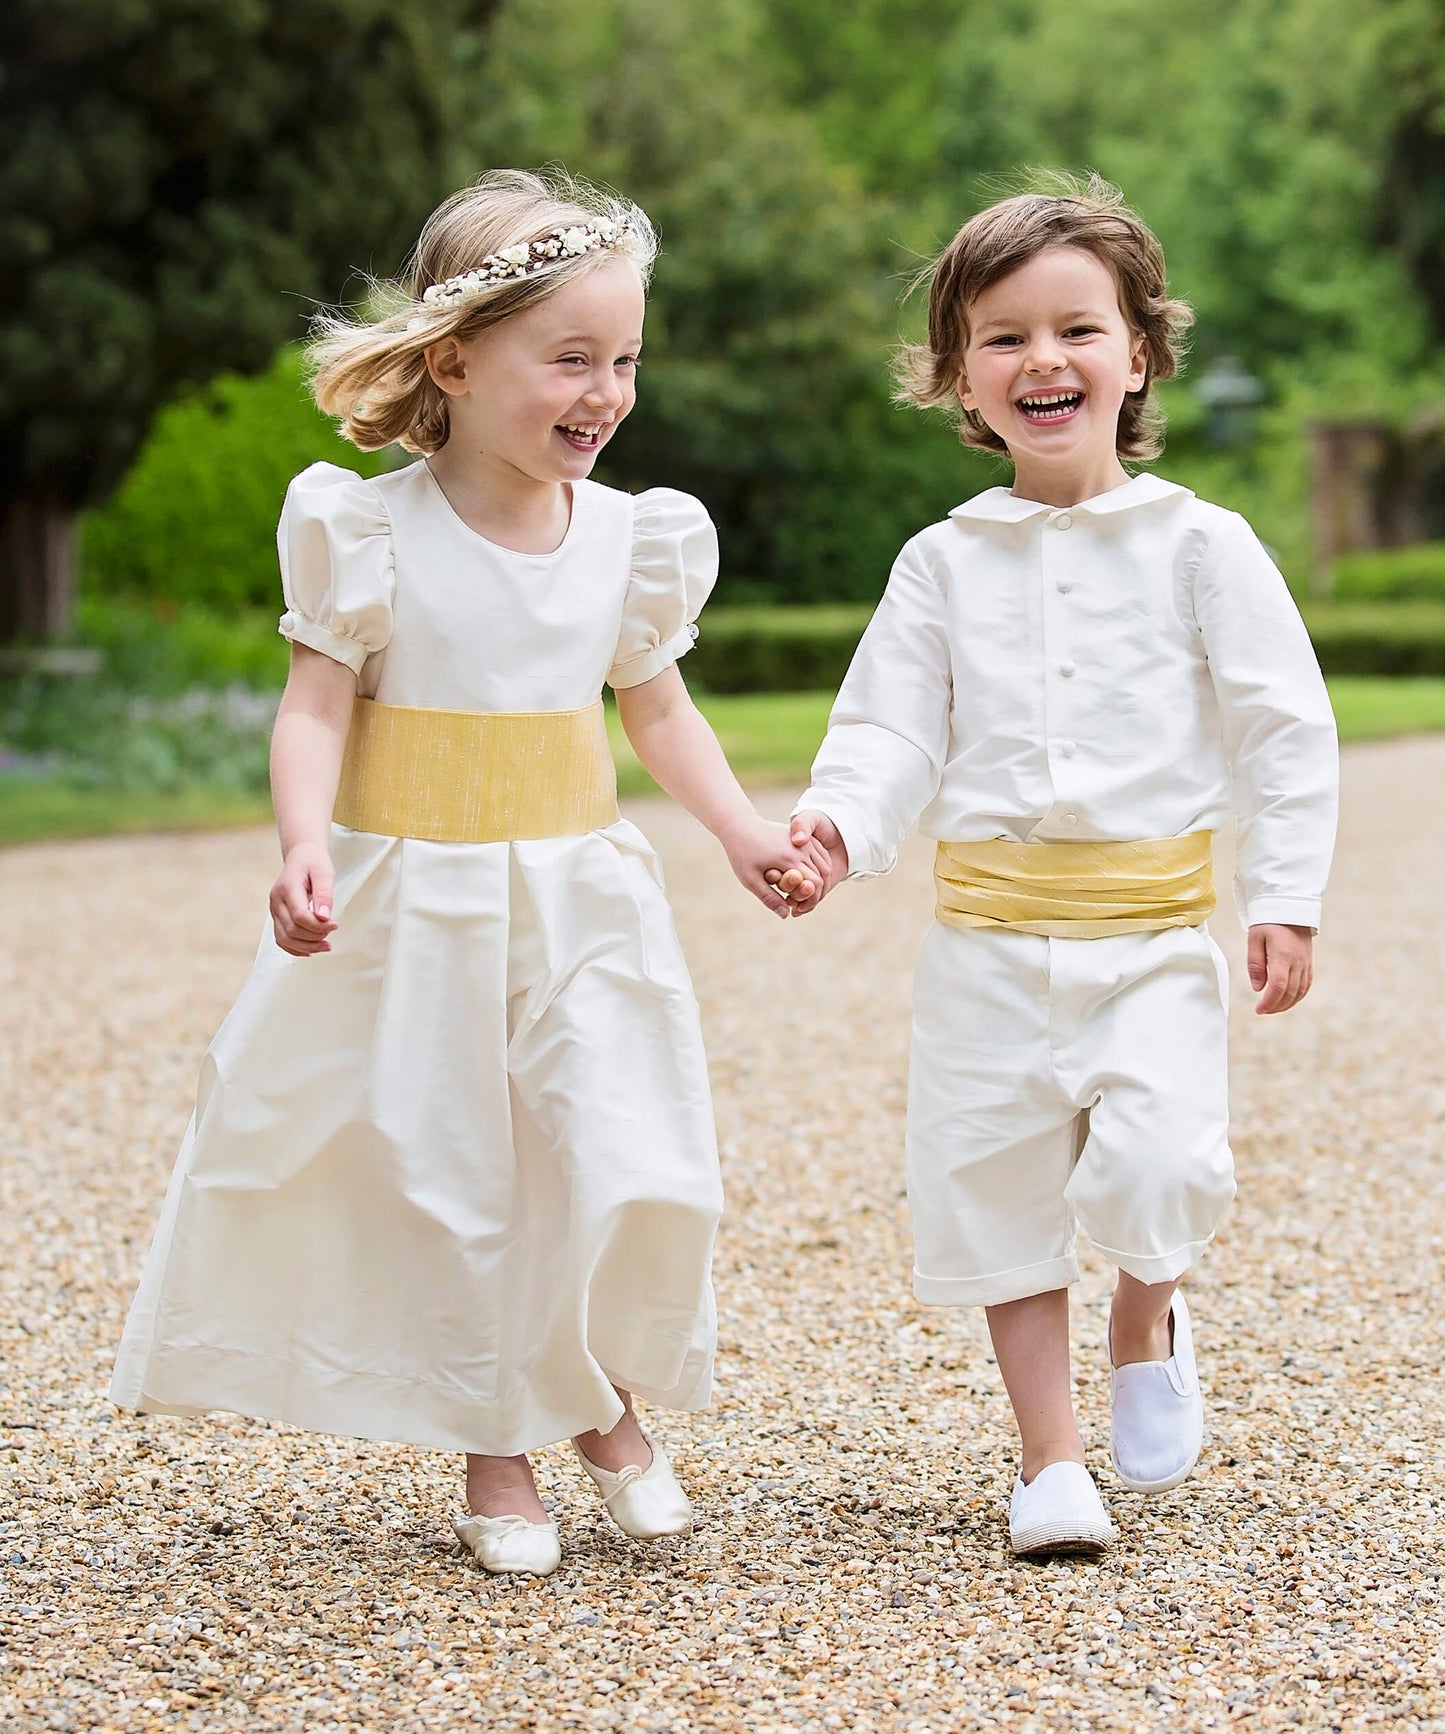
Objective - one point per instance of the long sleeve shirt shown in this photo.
(1130, 667)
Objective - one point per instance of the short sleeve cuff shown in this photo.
(300, 630)
(1283, 912)
(637, 669)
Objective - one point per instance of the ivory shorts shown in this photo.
(1059, 1083)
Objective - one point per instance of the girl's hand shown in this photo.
(1281, 966)
(301, 901)
(761, 853)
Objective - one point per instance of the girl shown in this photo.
(452, 1178)
(1075, 681)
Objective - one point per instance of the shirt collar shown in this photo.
(999, 506)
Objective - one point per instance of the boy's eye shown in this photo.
(998, 342)
(632, 361)
(1081, 331)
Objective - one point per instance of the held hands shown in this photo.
(1281, 966)
(785, 876)
(813, 832)
(301, 901)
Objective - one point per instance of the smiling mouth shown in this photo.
(586, 439)
(1049, 405)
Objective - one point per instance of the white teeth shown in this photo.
(1042, 402)
(582, 433)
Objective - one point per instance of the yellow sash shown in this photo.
(1076, 890)
(456, 776)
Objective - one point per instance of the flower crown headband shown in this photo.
(527, 257)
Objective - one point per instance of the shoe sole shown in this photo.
(1050, 1540)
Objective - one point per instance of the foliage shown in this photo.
(1393, 575)
(1404, 640)
(194, 522)
(178, 180)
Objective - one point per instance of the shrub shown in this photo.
(1397, 639)
(1393, 575)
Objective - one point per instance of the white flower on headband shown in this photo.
(522, 260)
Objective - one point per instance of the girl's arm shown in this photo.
(679, 750)
(306, 749)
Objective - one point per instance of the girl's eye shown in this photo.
(568, 359)
(1081, 331)
(1000, 342)
(632, 361)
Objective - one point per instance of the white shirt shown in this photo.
(1130, 667)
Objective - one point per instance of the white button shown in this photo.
(1069, 819)
(1064, 586)
(1066, 669)
(1063, 521)
(1067, 748)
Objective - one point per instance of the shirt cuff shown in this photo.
(863, 862)
(1271, 911)
(652, 662)
(339, 648)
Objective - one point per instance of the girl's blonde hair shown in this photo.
(372, 374)
(1062, 212)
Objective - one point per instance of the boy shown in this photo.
(1075, 681)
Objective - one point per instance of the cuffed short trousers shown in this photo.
(1058, 1083)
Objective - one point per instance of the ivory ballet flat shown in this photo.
(1059, 1511)
(643, 1503)
(510, 1543)
(1156, 1430)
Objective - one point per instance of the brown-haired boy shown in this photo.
(1075, 681)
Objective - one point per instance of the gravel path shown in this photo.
(850, 1569)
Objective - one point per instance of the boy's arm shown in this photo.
(1279, 731)
(887, 741)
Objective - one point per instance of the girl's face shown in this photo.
(1049, 360)
(545, 390)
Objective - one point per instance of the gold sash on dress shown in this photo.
(1076, 890)
(457, 776)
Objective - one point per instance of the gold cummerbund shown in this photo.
(460, 776)
(1076, 890)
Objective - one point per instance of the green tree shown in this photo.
(179, 179)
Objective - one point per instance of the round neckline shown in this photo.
(501, 547)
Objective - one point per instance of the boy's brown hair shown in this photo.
(1064, 212)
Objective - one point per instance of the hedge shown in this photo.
(808, 649)
(1393, 575)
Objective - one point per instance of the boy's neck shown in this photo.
(1061, 485)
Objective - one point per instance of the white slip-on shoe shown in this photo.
(643, 1503)
(1059, 1512)
(510, 1543)
(1157, 1428)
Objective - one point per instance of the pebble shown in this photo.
(850, 1568)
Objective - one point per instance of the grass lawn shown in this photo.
(769, 737)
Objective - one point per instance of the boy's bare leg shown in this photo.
(624, 1445)
(1139, 1321)
(503, 1487)
(1031, 1340)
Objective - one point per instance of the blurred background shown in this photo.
(182, 182)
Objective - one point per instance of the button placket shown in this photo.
(1059, 664)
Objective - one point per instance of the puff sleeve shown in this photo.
(674, 567)
(337, 570)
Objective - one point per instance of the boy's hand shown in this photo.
(816, 834)
(763, 858)
(1281, 965)
(301, 901)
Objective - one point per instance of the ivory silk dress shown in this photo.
(450, 1182)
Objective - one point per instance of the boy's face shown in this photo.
(1050, 358)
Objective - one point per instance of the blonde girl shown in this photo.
(452, 1177)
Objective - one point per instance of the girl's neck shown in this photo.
(502, 503)
(1067, 486)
